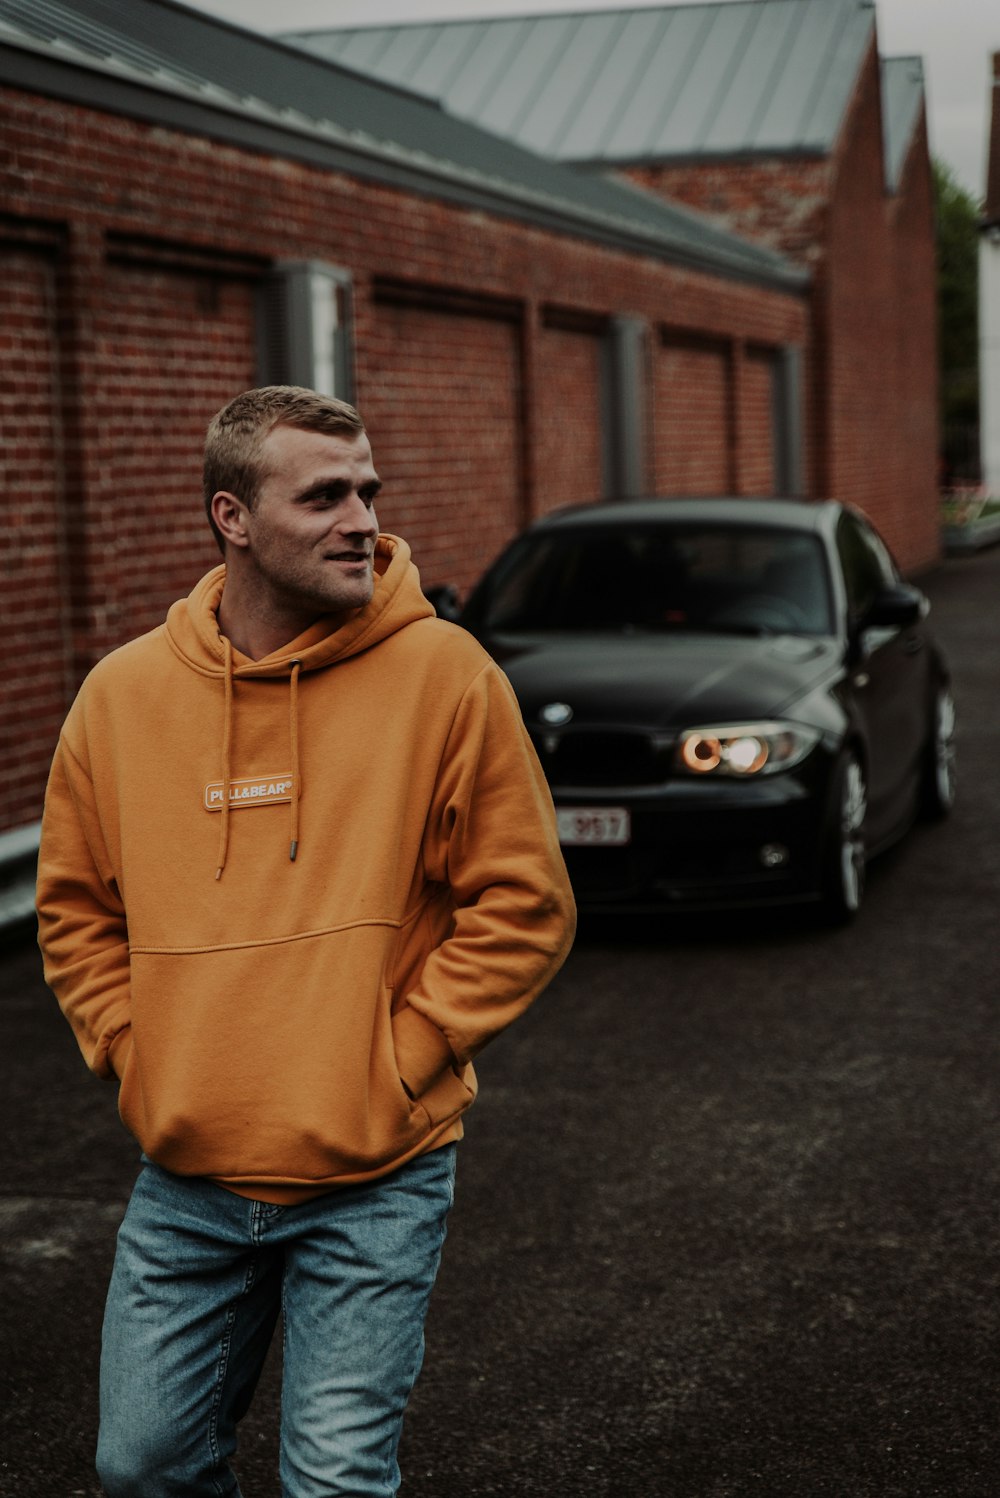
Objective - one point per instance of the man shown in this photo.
(298, 866)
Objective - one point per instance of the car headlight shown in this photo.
(744, 749)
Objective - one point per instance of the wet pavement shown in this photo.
(727, 1211)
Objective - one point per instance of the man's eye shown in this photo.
(325, 499)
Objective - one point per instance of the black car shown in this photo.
(733, 700)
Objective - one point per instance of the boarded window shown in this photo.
(33, 591)
(692, 417)
(439, 392)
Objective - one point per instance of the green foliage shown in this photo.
(956, 217)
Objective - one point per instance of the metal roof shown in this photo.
(628, 84)
(902, 107)
(161, 61)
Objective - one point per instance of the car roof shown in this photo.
(818, 516)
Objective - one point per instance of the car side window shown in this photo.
(866, 564)
(887, 567)
(521, 591)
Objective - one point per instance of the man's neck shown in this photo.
(254, 631)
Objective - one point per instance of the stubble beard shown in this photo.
(299, 591)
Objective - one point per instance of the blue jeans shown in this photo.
(199, 1279)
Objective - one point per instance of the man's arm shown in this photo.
(81, 919)
(492, 839)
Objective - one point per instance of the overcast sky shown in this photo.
(956, 39)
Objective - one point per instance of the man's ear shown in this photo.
(229, 514)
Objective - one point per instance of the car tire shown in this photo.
(938, 788)
(844, 857)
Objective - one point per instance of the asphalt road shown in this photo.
(727, 1211)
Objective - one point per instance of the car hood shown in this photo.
(663, 681)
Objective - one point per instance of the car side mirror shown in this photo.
(895, 608)
(444, 597)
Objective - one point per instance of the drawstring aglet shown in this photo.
(291, 853)
(218, 872)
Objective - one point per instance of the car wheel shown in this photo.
(939, 773)
(845, 858)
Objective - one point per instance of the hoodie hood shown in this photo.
(193, 629)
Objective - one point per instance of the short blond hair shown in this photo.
(235, 438)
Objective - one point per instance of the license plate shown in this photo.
(584, 826)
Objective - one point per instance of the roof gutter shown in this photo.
(255, 125)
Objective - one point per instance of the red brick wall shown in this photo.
(778, 201)
(783, 203)
(880, 373)
(35, 686)
(570, 457)
(871, 411)
(483, 403)
(441, 403)
(172, 344)
(757, 394)
(912, 523)
(693, 418)
(714, 417)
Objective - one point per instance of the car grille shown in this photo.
(667, 873)
(585, 758)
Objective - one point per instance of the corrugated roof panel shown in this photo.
(683, 111)
(623, 84)
(56, 22)
(354, 49)
(807, 54)
(484, 61)
(824, 108)
(623, 67)
(752, 84)
(902, 100)
(671, 56)
(525, 74)
(681, 126)
(571, 81)
(404, 53)
(443, 64)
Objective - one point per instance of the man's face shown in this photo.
(311, 535)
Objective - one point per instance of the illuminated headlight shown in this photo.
(744, 749)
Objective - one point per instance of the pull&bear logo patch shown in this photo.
(260, 790)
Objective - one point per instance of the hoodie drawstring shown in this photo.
(293, 733)
(227, 744)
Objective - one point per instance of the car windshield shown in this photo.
(720, 578)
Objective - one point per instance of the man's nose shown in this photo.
(357, 517)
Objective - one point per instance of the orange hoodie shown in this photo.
(286, 901)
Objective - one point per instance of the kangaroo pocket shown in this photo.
(274, 1062)
(449, 1094)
